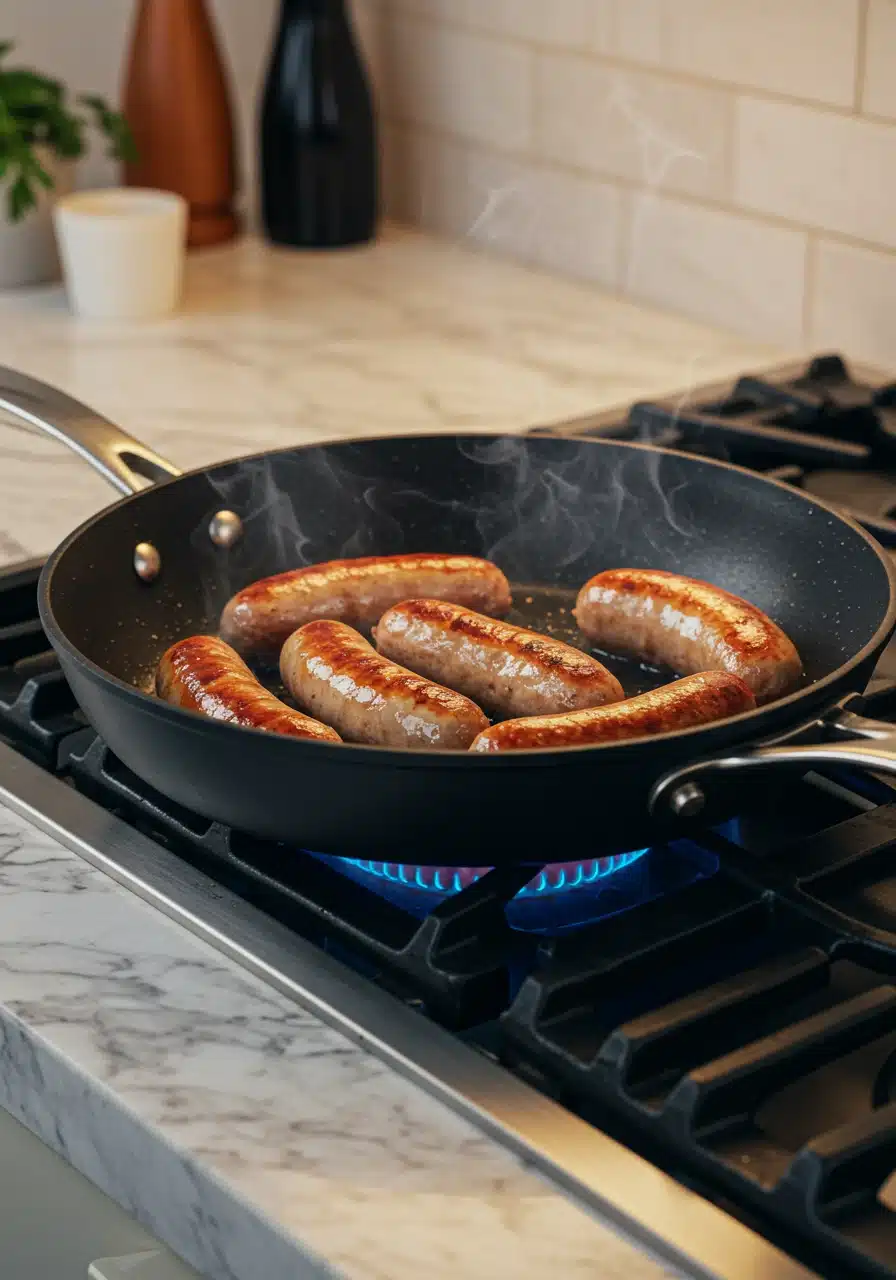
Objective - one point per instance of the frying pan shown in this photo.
(160, 564)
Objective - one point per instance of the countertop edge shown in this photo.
(41, 1088)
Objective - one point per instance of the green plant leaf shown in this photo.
(40, 174)
(21, 198)
(8, 126)
(26, 90)
(34, 111)
(114, 126)
(65, 134)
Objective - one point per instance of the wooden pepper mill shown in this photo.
(176, 101)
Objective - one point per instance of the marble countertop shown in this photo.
(272, 349)
(252, 1138)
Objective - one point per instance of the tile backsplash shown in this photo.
(733, 160)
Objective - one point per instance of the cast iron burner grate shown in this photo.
(726, 1008)
(822, 427)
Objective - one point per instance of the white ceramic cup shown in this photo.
(122, 251)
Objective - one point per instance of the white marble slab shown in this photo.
(254, 1140)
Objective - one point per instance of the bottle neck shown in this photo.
(312, 9)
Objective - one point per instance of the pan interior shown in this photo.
(550, 512)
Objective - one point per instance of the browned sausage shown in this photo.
(698, 699)
(204, 674)
(689, 626)
(259, 618)
(509, 671)
(335, 674)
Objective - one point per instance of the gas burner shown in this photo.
(556, 878)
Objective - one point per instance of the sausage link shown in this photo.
(507, 670)
(689, 626)
(335, 674)
(697, 699)
(204, 674)
(259, 618)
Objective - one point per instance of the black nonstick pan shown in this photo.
(160, 564)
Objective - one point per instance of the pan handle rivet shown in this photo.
(687, 801)
(147, 562)
(225, 528)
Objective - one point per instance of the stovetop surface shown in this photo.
(724, 1006)
(819, 425)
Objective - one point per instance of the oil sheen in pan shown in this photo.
(549, 610)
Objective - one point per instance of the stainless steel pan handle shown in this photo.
(708, 789)
(126, 463)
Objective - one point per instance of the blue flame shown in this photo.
(557, 879)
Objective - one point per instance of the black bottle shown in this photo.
(319, 170)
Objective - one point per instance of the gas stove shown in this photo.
(824, 426)
(696, 1041)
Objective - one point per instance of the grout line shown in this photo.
(809, 283)
(619, 61)
(624, 247)
(532, 75)
(875, 117)
(732, 149)
(861, 55)
(746, 212)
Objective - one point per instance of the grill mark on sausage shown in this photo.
(202, 673)
(353, 657)
(737, 623)
(551, 654)
(697, 699)
(505, 668)
(333, 671)
(364, 566)
(261, 616)
(667, 618)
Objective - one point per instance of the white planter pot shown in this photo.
(28, 247)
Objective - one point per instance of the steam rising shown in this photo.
(534, 518)
(534, 513)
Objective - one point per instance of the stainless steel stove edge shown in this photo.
(671, 1223)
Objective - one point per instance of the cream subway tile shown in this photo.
(442, 9)
(853, 302)
(632, 125)
(370, 26)
(462, 83)
(801, 48)
(718, 267)
(565, 222)
(433, 183)
(246, 143)
(879, 89)
(245, 32)
(393, 143)
(837, 173)
(570, 24)
(562, 221)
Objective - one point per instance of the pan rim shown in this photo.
(454, 758)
